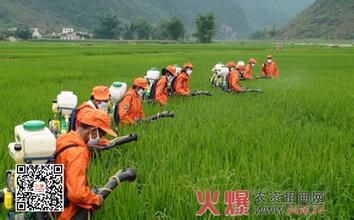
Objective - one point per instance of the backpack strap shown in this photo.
(56, 154)
(227, 81)
(116, 110)
(73, 119)
(265, 67)
(115, 114)
(173, 84)
(153, 89)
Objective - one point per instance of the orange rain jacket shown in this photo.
(233, 81)
(81, 111)
(248, 72)
(130, 108)
(270, 70)
(76, 162)
(182, 84)
(161, 91)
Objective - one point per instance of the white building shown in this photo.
(70, 36)
(68, 30)
(36, 34)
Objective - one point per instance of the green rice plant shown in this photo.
(296, 136)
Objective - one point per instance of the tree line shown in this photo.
(110, 27)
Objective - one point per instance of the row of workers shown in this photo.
(239, 71)
(92, 124)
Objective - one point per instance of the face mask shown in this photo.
(102, 105)
(94, 141)
(169, 78)
(141, 92)
(252, 64)
(189, 71)
(269, 61)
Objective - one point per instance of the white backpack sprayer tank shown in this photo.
(216, 78)
(178, 69)
(117, 91)
(34, 143)
(151, 76)
(223, 73)
(62, 107)
(217, 68)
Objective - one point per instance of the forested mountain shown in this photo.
(329, 19)
(234, 18)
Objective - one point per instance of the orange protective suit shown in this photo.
(270, 70)
(248, 72)
(76, 162)
(161, 91)
(130, 108)
(233, 81)
(182, 84)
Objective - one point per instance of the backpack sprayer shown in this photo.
(6, 196)
(224, 78)
(117, 91)
(216, 79)
(63, 108)
(151, 77)
(178, 69)
(36, 144)
(241, 71)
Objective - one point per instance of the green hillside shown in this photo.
(329, 19)
(242, 16)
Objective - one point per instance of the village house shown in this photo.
(69, 34)
(36, 34)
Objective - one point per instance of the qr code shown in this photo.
(39, 188)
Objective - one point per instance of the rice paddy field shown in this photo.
(297, 136)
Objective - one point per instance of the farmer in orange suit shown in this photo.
(248, 69)
(161, 91)
(130, 108)
(72, 151)
(232, 79)
(98, 100)
(182, 80)
(269, 68)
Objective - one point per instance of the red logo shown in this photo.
(237, 203)
(207, 203)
